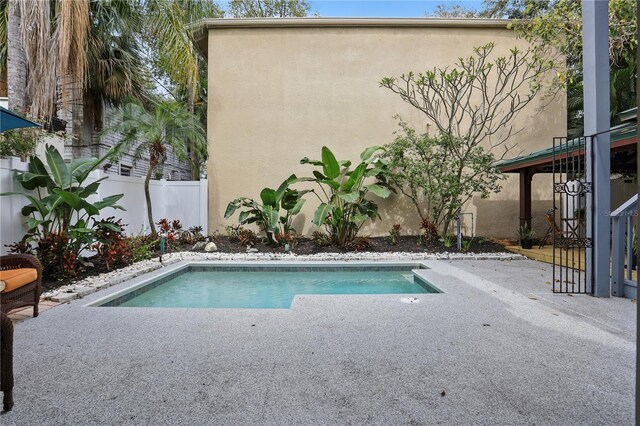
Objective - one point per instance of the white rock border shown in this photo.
(90, 285)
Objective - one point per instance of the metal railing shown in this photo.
(622, 284)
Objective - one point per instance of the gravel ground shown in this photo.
(497, 347)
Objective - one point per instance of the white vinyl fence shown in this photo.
(183, 200)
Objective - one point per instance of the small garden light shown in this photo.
(161, 247)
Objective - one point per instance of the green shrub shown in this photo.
(394, 233)
(111, 243)
(321, 239)
(143, 247)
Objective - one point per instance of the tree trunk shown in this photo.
(147, 195)
(16, 60)
(195, 163)
(3, 83)
(195, 159)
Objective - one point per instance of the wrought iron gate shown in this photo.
(572, 193)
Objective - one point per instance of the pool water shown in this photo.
(266, 289)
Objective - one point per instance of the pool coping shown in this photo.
(89, 285)
(174, 268)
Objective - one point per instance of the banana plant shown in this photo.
(268, 215)
(58, 198)
(344, 205)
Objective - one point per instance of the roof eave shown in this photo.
(200, 29)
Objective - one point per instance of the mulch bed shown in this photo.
(376, 245)
(304, 246)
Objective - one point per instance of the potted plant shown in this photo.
(525, 234)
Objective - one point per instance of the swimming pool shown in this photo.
(265, 287)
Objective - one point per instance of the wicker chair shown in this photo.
(22, 274)
(6, 361)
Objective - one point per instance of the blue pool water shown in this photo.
(266, 289)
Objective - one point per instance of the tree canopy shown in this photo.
(268, 8)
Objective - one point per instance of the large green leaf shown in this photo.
(59, 169)
(109, 201)
(319, 175)
(243, 216)
(296, 209)
(330, 165)
(367, 153)
(28, 209)
(302, 179)
(268, 197)
(78, 203)
(306, 160)
(231, 208)
(91, 188)
(335, 185)
(31, 181)
(350, 197)
(270, 218)
(359, 218)
(380, 191)
(281, 190)
(36, 166)
(321, 214)
(33, 224)
(80, 166)
(355, 177)
(38, 204)
(112, 226)
(82, 173)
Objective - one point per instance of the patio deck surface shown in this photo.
(545, 254)
(496, 348)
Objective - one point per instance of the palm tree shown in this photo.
(166, 124)
(13, 55)
(175, 57)
(86, 51)
(114, 57)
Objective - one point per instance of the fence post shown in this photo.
(617, 256)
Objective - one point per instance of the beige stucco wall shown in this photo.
(279, 93)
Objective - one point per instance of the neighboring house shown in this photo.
(173, 169)
(280, 89)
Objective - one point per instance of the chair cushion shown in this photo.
(14, 278)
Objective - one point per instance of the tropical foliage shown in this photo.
(269, 215)
(151, 132)
(61, 219)
(557, 33)
(345, 194)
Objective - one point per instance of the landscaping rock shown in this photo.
(201, 245)
(210, 247)
(81, 290)
(62, 297)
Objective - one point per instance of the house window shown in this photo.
(125, 170)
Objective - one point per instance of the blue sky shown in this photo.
(379, 8)
(383, 8)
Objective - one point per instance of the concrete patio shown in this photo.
(496, 348)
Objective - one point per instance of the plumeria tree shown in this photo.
(471, 106)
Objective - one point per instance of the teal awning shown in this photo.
(10, 120)
(623, 138)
